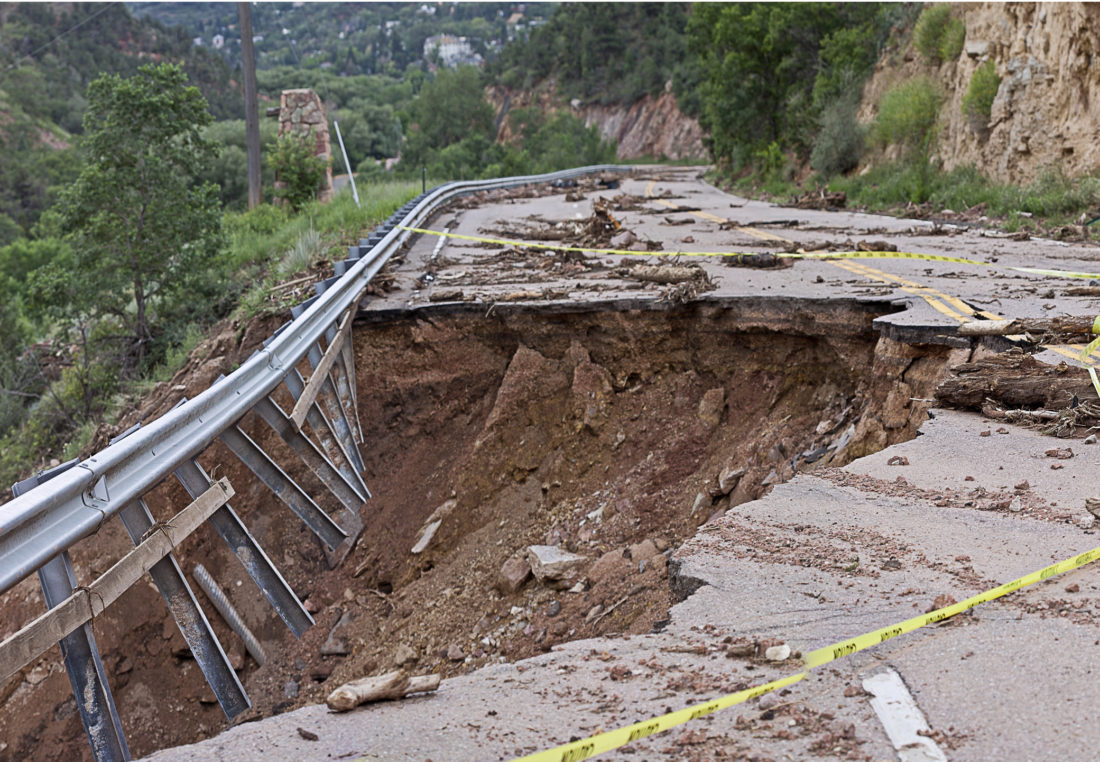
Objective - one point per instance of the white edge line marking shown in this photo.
(902, 718)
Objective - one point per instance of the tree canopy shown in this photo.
(142, 230)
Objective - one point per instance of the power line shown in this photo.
(73, 28)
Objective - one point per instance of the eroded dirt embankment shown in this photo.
(611, 434)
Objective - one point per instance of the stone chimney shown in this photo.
(301, 112)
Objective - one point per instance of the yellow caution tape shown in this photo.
(1054, 273)
(613, 739)
(1092, 345)
(631, 252)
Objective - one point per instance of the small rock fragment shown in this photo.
(986, 433)
(1061, 453)
(1023, 486)
(551, 564)
(307, 735)
(712, 406)
(702, 502)
(898, 460)
(404, 655)
(290, 689)
(554, 608)
(1016, 505)
(1090, 439)
(513, 574)
(427, 532)
(1092, 504)
(1074, 588)
(781, 652)
(455, 652)
(728, 479)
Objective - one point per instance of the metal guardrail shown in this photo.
(53, 511)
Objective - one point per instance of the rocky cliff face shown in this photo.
(1047, 109)
(648, 127)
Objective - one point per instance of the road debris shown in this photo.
(391, 685)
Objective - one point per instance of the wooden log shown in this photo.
(664, 273)
(391, 685)
(1075, 326)
(1015, 380)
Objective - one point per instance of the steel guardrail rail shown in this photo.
(47, 520)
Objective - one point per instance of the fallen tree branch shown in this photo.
(391, 685)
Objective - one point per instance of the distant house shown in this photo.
(197, 42)
(453, 51)
(218, 42)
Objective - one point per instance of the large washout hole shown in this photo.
(609, 433)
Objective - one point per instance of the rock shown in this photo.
(425, 537)
(124, 665)
(611, 565)
(1092, 504)
(778, 653)
(455, 652)
(403, 655)
(1074, 588)
(1016, 505)
(767, 701)
(512, 575)
(712, 406)
(551, 564)
(728, 479)
(702, 503)
(1090, 439)
(1022, 486)
(643, 551)
(770, 479)
(290, 689)
(335, 645)
(310, 605)
(623, 240)
(554, 608)
(1061, 453)
(976, 48)
(593, 613)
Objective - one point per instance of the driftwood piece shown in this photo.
(1015, 380)
(1071, 326)
(664, 273)
(391, 685)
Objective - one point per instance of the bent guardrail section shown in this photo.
(54, 510)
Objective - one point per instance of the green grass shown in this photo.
(269, 247)
(1053, 198)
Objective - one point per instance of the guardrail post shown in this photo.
(87, 676)
(285, 488)
(248, 551)
(185, 610)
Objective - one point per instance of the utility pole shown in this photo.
(251, 107)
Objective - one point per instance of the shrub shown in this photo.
(907, 116)
(937, 36)
(299, 172)
(977, 103)
(839, 143)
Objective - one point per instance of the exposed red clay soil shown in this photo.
(612, 435)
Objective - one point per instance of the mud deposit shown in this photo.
(612, 434)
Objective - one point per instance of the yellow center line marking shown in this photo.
(939, 301)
